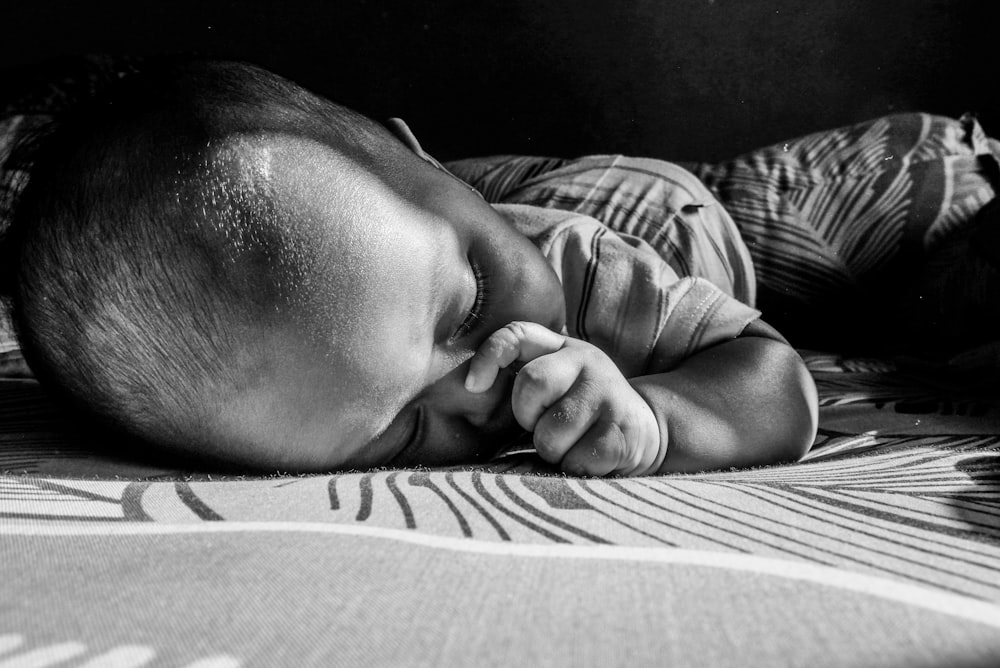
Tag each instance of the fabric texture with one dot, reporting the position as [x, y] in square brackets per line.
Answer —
[869, 222]
[826, 213]
[659, 202]
[872, 222]
[12, 180]
[622, 296]
[32, 100]
[882, 548]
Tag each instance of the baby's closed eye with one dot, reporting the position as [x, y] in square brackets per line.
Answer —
[480, 303]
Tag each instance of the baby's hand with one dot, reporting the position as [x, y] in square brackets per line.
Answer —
[585, 415]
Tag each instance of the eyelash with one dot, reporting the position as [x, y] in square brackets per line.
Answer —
[481, 303]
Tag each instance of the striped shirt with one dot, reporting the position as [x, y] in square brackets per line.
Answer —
[653, 268]
[658, 202]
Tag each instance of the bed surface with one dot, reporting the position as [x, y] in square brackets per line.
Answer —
[881, 548]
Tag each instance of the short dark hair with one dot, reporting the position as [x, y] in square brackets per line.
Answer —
[140, 269]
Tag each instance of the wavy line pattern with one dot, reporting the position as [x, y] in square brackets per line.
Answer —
[920, 512]
[18, 652]
[878, 494]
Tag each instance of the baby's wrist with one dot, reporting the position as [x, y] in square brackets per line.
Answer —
[655, 434]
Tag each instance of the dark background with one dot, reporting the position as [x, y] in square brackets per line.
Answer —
[681, 79]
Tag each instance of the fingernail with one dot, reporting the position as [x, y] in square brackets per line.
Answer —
[470, 382]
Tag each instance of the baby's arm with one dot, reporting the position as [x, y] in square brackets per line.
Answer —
[744, 402]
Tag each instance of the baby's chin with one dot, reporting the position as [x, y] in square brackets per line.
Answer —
[502, 431]
[483, 454]
[479, 450]
[490, 445]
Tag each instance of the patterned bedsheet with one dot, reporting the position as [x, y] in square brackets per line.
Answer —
[881, 548]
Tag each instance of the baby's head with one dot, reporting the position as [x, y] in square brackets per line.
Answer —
[232, 268]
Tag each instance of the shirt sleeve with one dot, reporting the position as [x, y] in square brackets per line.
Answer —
[624, 298]
[696, 315]
[659, 202]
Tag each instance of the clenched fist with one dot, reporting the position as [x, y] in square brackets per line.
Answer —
[585, 415]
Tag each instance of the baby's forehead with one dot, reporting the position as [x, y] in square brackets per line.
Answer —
[282, 163]
[322, 215]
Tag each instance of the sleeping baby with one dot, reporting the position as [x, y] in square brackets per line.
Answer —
[234, 270]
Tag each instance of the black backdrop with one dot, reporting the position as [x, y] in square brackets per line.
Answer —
[681, 79]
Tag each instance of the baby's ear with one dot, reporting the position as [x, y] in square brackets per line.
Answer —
[402, 131]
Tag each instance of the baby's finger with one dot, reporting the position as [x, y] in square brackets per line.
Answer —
[562, 425]
[599, 452]
[516, 341]
[539, 384]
